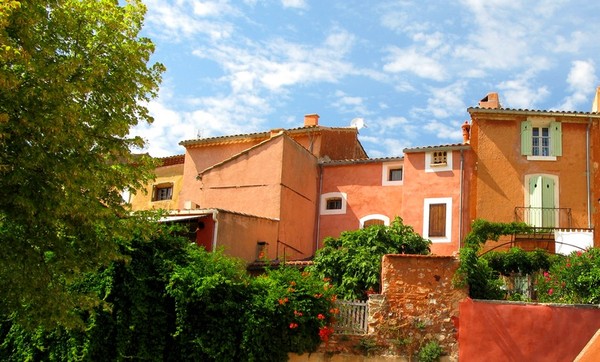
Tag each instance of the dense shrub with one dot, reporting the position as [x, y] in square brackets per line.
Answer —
[353, 261]
[169, 300]
[572, 279]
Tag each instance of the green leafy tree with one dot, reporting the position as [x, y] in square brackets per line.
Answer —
[74, 78]
[353, 261]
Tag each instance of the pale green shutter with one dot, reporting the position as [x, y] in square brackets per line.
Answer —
[548, 212]
[526, 143]
[535, 201]
[555, 139]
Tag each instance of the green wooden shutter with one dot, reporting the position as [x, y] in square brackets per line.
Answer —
[548, 212]
[535, 201]
[526, 135]
[555, 139]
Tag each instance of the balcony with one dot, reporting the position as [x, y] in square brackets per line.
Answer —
[552, 229]
[545, 218]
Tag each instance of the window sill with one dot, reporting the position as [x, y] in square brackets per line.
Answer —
[439, 239]
[441, 164]
[393, 183]
[541, 158]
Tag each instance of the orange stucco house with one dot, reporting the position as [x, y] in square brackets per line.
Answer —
[538, 167]
[255, 195]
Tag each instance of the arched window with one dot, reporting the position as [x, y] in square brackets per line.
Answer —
[374, 219]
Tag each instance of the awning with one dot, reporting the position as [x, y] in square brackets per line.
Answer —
[180, 218]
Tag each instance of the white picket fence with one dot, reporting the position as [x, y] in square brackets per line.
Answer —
[352, 318]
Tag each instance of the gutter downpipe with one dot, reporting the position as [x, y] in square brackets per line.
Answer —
[216, 229]
[318, 208]
[588, 180]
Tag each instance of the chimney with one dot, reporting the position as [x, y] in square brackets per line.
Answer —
[596, 102]
[466, 131]
[311, 120]
[490, 101]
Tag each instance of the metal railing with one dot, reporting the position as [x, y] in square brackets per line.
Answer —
[544, 217]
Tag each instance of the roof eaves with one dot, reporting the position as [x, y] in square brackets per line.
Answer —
[472, 110]
[448, 147]
[359, 161]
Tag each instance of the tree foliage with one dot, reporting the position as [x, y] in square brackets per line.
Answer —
[172, 301]
[74, 77]
[353, 261]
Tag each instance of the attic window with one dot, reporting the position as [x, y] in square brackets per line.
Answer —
[439, 158]
[334, 203]
[438, 161]
[161, 192]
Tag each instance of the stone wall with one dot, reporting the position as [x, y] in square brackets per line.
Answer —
[418, 304]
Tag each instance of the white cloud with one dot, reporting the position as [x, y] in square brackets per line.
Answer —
[186, 18]
[582, 81]
[297, 4]
[450, 132]
[279, 63]
[412, 61]
[445, 101]
[350, 104]
[519, 93]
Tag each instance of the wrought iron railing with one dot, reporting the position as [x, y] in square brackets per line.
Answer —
[544, 217]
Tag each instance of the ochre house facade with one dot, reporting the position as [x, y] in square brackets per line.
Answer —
[279, 194]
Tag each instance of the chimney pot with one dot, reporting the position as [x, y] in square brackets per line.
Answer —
[311, 120]
[466, 131]
[596, 103]
[490, 101]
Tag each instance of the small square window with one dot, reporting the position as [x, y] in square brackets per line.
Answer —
[162, 192]
[334, 203]
[395, 174]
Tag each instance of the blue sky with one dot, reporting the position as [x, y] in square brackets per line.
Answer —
[410, 69]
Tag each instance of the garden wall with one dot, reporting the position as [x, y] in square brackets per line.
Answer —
[512, 331]
[421, 303]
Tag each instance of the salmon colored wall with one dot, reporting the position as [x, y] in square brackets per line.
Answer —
[239, 235]
[499, 181]
[420, 185]
[299, 179]
[500, 331]
[143, 199]
[205, 231]
[201, 157]
[366, 196]
[249, 183]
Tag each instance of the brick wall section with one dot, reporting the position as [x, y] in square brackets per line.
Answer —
[421, 303]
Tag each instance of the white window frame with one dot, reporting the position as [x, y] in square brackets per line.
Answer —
[430, 167]
[385, 173]
[439, 200]
[385, 219]
[333, 195]
[544, 122]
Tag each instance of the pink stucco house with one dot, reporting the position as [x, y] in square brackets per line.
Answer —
[426, 188]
